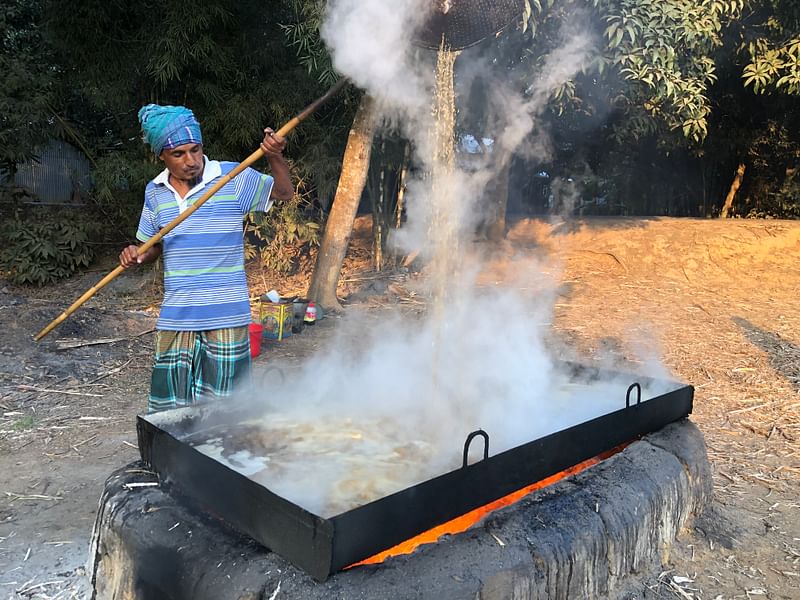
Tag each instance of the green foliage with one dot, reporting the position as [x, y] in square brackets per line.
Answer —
[783, 203]
[655, 59]
[225, 59]
[772, 45]
[773, 189]
[319, 165]
[44, 247]
[302, 33]
[228, 60]
[663, 112]
[27, 82]
[532, 14]
[117, 193]
[276, 237]
[665, 50]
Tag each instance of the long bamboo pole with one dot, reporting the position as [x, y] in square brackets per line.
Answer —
[283, 131]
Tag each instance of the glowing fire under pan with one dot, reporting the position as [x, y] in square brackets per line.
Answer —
[223, 462]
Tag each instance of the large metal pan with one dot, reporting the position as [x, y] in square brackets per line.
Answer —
[323, 545]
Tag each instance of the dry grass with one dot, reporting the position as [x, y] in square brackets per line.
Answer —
[716, 302]
[723, 313]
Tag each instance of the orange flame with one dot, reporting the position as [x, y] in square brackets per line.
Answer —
[465, 521]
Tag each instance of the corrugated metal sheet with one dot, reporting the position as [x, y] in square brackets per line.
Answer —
[60, 175]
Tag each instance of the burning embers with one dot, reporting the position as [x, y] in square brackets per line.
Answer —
[464, 522]
[328, 494]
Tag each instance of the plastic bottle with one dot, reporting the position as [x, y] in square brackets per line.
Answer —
[311, 314]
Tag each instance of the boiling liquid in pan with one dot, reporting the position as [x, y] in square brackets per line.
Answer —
[332, 465]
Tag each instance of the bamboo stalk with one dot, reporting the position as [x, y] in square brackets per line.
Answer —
[283, 131]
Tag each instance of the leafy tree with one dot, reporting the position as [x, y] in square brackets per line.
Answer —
[656, 62]
[304, 37]
[674, 78]
[225, 59]
[305, 40]
[28, 83]
[665, 50]
[656, 65]
[355, 167]
[753, 148]
[770, 36]
[228, 60]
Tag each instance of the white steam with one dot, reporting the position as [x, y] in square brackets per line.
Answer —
[367, 416]
[373, 416]
[370, 41]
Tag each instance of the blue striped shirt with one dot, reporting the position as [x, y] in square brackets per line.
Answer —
[204, 280]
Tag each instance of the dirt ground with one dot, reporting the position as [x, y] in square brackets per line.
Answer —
[718, 302]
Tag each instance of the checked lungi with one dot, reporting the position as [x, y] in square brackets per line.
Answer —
[191, 366]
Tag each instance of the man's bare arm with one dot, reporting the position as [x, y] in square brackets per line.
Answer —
[273, 146]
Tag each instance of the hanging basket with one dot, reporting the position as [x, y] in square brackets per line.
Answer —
[464, 23]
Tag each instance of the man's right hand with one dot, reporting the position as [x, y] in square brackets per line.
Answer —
[130, 257]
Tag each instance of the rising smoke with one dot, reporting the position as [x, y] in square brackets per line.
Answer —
[371, 43]
[391, 401]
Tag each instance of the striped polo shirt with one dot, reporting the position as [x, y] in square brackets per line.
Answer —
[204, 280]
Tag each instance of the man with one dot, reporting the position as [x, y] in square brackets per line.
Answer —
[202, 342]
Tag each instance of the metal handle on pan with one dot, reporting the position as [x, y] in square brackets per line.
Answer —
[472, 436]
[277, 370]
[638, 388]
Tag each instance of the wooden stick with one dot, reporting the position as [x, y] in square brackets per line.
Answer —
[30, 388]
[67, 345]
[283, 131]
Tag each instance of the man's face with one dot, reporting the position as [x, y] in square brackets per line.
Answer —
[184, 162]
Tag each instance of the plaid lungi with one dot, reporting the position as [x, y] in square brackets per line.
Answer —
[198, 365]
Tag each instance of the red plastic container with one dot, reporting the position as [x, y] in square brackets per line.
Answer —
[256, 333]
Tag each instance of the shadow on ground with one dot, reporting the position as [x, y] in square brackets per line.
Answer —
[784, 356]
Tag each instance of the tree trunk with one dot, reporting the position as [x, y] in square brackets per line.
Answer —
[401, 188]
[727, 208]
[339, 227]
[498, 197]
[378, 210]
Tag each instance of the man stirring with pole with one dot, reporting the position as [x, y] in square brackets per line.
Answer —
[202, 342]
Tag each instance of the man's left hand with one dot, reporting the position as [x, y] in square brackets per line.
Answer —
[273, 144]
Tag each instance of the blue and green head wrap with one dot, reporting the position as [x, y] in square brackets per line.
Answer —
[168, 127]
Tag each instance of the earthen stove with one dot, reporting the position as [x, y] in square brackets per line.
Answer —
[188, 485]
